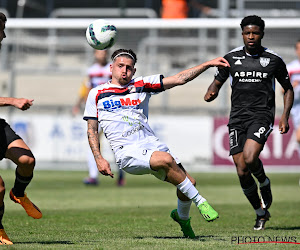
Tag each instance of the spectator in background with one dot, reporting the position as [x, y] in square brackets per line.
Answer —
[198, 8]
[294, 73]
[174, 8]
[97, 74]
[184, 9]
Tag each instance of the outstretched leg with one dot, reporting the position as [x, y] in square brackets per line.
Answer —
[184, 183]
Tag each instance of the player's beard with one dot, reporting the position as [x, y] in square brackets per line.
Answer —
[123, 81]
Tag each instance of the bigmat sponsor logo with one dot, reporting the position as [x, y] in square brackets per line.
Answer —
[111, 104]
[246, 239]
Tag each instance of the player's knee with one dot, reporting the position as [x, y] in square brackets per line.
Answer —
[27, 162]
[168, 160]
[249, 159]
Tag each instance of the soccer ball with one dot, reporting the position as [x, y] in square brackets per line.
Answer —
[101, 34]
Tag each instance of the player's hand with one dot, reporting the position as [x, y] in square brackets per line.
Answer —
[283, 126]
[210, 96]
[104, 168]
[219, 62]
[22, 103]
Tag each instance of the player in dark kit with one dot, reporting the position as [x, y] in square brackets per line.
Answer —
[14, 148]
[253, 70]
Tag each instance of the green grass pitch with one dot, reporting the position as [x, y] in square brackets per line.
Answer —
[137, 216]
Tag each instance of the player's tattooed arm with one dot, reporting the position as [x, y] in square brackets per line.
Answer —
[93, 137]
[190, 74]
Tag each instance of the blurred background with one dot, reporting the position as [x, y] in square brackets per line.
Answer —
[45, 57]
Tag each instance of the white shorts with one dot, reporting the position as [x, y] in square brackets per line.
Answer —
[135, 159]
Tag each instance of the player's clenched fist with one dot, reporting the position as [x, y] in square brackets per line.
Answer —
[22, 103]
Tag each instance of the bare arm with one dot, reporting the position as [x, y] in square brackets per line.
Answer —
[288, 100]
[213, 91]
[20, 103]
[189, 74]
[93, 137]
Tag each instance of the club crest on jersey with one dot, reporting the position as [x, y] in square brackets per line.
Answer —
[264, 61]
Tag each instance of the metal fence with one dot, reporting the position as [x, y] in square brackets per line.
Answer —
[46, 59]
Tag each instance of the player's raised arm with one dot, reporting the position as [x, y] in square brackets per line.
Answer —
[93, 137]
[20, 103]
[189, 74]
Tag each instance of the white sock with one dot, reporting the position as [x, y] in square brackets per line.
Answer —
[260, 212]
[265, 183]
[188, 189]
[183, 209]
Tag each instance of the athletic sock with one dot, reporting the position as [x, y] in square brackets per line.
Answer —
[188, 189]
[260, 172]
[183, 209]
[250, 191]
[1, 215]
[265, 183]
[21, 182]
[260, 212]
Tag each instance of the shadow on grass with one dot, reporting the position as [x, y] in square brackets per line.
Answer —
[46, 242]
[198, 238]
[284, 228]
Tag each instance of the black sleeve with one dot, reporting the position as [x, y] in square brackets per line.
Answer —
[282, 75]
[222, 74]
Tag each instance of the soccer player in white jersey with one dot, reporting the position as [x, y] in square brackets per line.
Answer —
[97, 74]
[121, 108]
[294, 73]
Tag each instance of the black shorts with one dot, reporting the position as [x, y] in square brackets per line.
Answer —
[7, 136]
[240, 132]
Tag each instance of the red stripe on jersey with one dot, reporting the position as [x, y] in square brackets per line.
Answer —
[139, 83]
[112, 90]
[147, 85]
[153, 86]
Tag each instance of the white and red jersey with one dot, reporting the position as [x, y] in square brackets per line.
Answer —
[294, 73]
[98, 75]
[122, 111]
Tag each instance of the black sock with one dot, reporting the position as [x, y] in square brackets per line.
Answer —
[260, 172]
[21, 182]
[250, 190]
[1, 215]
